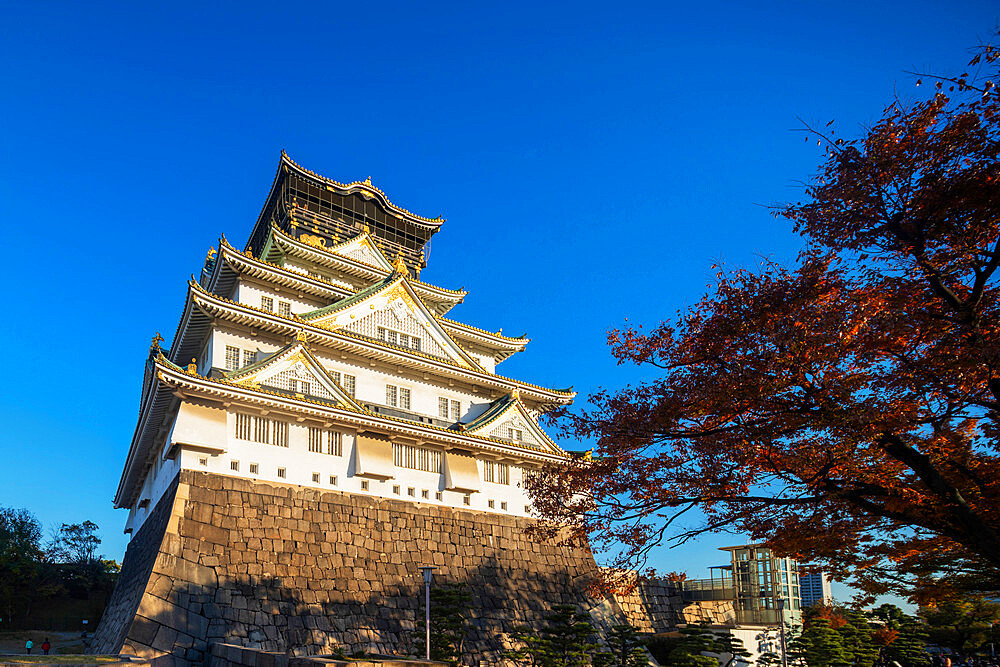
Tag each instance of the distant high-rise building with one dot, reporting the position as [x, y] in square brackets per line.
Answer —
[814, 586]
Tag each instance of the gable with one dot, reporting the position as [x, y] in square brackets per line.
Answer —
[394, 314]
[295, 370]
[360, 249]
[509, 420]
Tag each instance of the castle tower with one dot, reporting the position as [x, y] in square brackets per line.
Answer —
[317, 430]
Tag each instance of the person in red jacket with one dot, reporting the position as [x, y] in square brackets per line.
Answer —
[46, 646]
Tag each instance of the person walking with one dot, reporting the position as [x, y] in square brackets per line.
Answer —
[46, 646]
[28, 645]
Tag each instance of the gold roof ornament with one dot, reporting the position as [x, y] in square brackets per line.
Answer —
[515, 394]
[155, 344]
[301, 336]
[399, 266]
[211, 253]
[193, 366]
[368, 181]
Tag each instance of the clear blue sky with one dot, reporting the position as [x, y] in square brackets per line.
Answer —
[593, 161]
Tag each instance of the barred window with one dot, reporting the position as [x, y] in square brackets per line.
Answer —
[392, 337]
[503, 505]
[516, 434]
[234, 465]
[280, 434]
[267, 303]
[333, 440]
[416, 458]
[316, 477]
[381, 333]
[315, 439]
[391, 395]
[336, 376]
[404, 340]
[248, 357]
[232, 357]
[443, 408]
[261, 429]
[456, 410]
[335, 443]
[490, 503]
[364, 485]
[285, 310]
[404, 398]
[497, 473]
[333, 480]
[438, 495]
[425, 494]
[416, 343]
[281, 473]
[254, 467]
[299, 386]
[350, 382]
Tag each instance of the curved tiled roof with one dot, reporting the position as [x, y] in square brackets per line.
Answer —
[365, 187]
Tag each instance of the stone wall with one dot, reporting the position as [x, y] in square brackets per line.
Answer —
[656, 605]
[281, 567]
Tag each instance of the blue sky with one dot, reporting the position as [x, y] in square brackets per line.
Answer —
[593, 161]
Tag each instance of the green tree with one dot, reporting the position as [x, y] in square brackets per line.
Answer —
[687, 649]
[566, 640]
[20, 562]
[961, 625]
[625, 648]
[909, 646]
[449, 610]
[76, 543]
[820, 645]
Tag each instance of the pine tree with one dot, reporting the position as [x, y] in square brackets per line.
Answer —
[820, 645]
[449, 609]
[566, 640]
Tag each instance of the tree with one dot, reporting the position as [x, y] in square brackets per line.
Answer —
[693, 641]
[845, 410]
[904, 638]
[963, 626]
[449, 610]
[76, 543]
[566, 640]
[625, 647]
[820, 645]
[20, 562]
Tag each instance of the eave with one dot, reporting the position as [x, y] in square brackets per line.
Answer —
[194, 330]
[172, 384]
[442, 297]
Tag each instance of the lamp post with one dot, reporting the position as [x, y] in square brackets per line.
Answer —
[427, 570]
[780, 603]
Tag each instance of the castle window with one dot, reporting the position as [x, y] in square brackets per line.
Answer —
[456, 410]
[425, 494]
[395, 489]
[416, 458]
[261, 429]
[248, 357]
[285, 310]
[527, 509]
[467, 499]
[299, 386]
[267, 303]
[254, 468]
[391, 395]
[503, 505]
[316, 477]
[411, 492]
[443, 408]
[364, 485]
[490, 503]
[232, 357]
[497, 473]
[234, 465]
[404, 398]
[335, 443]
[281, 473]
[333, 480]
[415, 343]
[315, 439]
[439, 496]
[516, 434]
[404, 340]
[350, 382]
[203, 461]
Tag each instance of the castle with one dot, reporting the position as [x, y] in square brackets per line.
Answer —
[317, 430]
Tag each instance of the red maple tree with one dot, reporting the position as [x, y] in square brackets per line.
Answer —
[845, 410]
